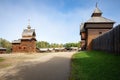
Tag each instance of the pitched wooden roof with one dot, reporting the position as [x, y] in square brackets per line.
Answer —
[1, 48]
[17, 41]
[97, 12]
[82, 29]
[99, 20]
[29, 38]
[96, 17]
[28, 32]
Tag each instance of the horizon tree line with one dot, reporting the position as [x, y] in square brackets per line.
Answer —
[39, 44]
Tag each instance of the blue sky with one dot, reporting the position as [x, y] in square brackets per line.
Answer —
[55, 21]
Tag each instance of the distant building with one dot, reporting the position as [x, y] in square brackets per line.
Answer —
[94, 27]
[42, 50]
[2, 50]
[27, 43]
[52, 49]
[59, 49]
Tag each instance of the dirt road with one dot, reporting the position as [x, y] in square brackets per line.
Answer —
[53, 66]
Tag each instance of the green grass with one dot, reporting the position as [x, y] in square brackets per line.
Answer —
[1, 59]
[95, 65]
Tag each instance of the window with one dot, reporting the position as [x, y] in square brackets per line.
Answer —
[19, 47]
[24, 47]
[100, 32]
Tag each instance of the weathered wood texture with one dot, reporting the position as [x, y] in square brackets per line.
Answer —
[2, 51]
[109, 42]
[92, 34]
[25, 46]
[83, 45]
[83, 36]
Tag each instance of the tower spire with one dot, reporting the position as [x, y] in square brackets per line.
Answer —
[97, 12]
[28, 21]
[29, 27]
[96, 4]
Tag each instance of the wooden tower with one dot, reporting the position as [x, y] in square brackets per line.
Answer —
[94, 27]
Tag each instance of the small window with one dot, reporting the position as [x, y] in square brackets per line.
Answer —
[100, 32]
[19, 47]
[24, 47]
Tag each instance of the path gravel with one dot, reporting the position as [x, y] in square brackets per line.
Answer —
[53, 66]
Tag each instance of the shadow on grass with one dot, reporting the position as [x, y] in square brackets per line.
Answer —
[95, 65]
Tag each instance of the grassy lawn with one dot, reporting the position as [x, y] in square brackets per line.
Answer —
[1, 59]
[95, 65]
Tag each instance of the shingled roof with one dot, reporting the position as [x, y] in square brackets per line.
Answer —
[1, 48]
[99, 20]
[82, 29]
[28, 32]
[97, 12]
[17, 41]
[96, 17]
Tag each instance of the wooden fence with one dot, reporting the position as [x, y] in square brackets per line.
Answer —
[109, 42]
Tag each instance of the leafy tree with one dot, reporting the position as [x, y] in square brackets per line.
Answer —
[42, 44]
[60, 45]
[55, 45]
[79, 44]
[5, 44]
[69, 45]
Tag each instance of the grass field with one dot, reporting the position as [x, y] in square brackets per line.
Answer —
[95, 65]
[1, 59]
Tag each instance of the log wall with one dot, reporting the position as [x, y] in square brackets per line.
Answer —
[109, 42]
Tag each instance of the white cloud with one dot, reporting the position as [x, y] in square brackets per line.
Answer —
[51, 24]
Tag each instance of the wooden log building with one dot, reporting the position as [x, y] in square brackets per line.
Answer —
[2, 50]
[27, 43]
[94, 27]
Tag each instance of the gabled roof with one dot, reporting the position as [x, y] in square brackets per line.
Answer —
[97, 10]
[96, 17]
[99, 20]
[17, 41]
[43, 49]
[82, 29]
[28, 32]
[28, 38]
[1, 48]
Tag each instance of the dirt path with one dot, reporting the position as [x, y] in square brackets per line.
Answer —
[54, 66]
